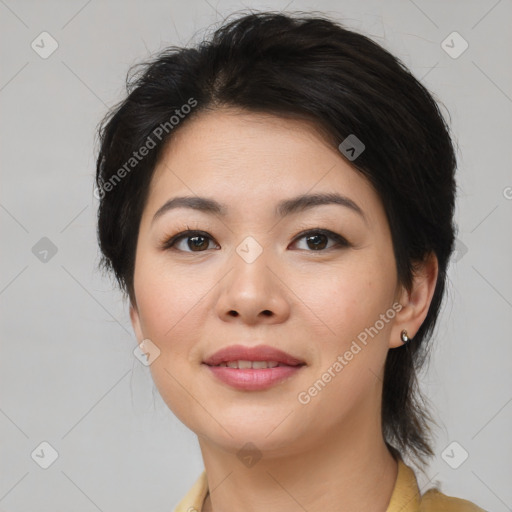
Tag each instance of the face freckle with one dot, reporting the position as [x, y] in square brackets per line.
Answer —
[308, 303]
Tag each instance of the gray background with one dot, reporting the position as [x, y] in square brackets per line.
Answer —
[68, 375]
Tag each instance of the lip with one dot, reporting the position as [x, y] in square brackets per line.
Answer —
[253, 379]
[258, 353]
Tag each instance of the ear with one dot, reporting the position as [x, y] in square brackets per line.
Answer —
[416, 302]
[135, 319]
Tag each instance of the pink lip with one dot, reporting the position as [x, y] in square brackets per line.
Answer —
[249, 379]
[253, 379]
[258, 353]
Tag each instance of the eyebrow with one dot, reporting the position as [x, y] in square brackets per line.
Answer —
[283, 209]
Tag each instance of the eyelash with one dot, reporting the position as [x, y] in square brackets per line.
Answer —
[340, 242]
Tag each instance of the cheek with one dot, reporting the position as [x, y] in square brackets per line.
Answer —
[352, 297]
[166, 299]
[353, 301]
[357, 308]
[169, 304]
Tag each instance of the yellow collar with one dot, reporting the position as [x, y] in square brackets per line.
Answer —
[405, 497]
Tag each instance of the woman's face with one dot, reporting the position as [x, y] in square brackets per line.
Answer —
[250, 279]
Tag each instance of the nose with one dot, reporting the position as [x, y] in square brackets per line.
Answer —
[253, 293]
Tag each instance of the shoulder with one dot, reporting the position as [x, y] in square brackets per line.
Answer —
[406, 496]
[435, 501]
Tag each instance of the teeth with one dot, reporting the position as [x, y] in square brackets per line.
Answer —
[251, 364]
[259, 364]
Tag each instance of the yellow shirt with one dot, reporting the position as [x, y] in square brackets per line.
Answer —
[406, 496]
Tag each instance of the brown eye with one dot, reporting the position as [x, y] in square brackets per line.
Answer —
[318, 239]
[198, 243]
[189, 241]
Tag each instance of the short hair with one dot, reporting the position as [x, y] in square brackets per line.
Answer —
[304, 67]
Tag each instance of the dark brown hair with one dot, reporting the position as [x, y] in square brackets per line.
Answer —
[308, 67]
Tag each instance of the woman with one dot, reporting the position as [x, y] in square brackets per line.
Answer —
[277, 203]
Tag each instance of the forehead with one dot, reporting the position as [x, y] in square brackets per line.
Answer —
[252, 160]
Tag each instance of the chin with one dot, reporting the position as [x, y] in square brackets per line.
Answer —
[263, 435]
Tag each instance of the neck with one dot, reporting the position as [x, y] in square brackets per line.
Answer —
[346, 470]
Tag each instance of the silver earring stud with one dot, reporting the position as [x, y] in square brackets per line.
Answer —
[404, 337]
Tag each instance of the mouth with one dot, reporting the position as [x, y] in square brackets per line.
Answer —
[255, 365]
[253, 368]
[258, 357]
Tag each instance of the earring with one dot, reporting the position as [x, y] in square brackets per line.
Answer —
[403, 336]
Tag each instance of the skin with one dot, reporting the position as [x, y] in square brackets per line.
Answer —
[328, 454]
